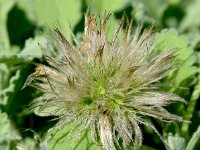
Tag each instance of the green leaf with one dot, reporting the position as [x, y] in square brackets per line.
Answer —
[192, 103]
[145, 147]
[100, 6]
[186, 70]
[149, 11]
[27, 144]
[169, 39]
[176, 142]
[4, 131]
[31, 144]
[8, 134]
[5, 6]
[53, 13]
[7, 84]
[192, 13]
[64, 137]
[32, 48]
[193, 140]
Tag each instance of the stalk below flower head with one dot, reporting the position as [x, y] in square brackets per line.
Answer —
[106, 88]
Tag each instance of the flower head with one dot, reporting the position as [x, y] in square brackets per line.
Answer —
[106, 87]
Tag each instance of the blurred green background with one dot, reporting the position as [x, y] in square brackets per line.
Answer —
[25, 23]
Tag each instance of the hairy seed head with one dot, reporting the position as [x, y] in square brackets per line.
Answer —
[106, 87]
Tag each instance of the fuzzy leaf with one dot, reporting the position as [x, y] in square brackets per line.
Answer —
[5, 6]
[6, 86]
[106, 5]
[4, 131]
[60, 140]
[193, 140]
[32, 47]
[149, 10]
[193, 102]
[192, 13]
[53, 13]
[8, 134]
[31, 144]
[186, 70]
[169, 39]
[176, 142]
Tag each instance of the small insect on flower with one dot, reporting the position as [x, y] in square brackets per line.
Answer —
[106, 88]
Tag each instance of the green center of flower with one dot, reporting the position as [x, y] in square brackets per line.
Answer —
[87, 100]
[102, 90]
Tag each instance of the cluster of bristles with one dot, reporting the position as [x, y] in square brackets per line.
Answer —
[106, 87]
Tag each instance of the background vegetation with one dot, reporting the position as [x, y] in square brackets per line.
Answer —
[25, 23]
